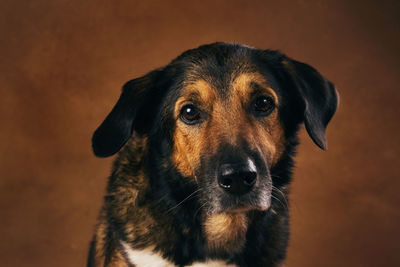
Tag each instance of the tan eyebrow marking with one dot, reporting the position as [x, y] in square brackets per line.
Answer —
[242, 85]
[199, 91]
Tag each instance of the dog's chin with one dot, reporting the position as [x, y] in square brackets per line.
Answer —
[235, 208]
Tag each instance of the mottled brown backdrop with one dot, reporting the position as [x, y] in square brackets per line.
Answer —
[63, 63]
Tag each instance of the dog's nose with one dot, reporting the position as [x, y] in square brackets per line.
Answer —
[237, 178]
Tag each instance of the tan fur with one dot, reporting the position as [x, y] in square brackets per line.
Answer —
[268, 136]
[187, 148]
[115, 258]
[225, 126]
[145, 220]
[118, 260]
[100, 237]
[226, 231]
[130, 189]
[131, 185]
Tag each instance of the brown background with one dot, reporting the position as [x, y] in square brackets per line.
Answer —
[63, 63]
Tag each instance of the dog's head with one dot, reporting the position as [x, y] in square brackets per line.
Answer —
[222, 116]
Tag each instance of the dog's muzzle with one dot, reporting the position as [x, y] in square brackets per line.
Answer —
[237, 178]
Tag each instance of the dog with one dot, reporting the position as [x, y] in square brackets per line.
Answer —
[205, 155]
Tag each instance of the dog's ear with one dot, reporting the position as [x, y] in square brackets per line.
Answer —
[318, 96]
[118, 126]
[320, 99]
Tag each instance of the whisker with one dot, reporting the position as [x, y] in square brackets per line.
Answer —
[194, 216]
[185, 199]
[283, 195]
[283, 206]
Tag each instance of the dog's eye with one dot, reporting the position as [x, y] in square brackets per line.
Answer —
[189, 114]
[263, 105]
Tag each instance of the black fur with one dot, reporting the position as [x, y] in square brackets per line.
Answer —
[145, 108]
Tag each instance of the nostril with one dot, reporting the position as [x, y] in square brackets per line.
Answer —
[237, 183]
[249, 179]
[226, 182]
[237, 178]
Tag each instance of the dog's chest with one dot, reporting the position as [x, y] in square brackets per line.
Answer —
[149, 258]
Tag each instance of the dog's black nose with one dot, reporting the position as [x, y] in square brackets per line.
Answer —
[237, 178]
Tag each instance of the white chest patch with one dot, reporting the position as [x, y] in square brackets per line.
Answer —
[148, 258]
[212, 263]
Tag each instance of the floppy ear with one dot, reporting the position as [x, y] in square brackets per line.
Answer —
[320, 99]
[117, 128]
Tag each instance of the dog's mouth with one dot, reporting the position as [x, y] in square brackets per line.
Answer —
[261, 205]
[225, 203]
[236, 188]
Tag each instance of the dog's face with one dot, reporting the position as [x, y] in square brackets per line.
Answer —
[222, 116]
[227, 135]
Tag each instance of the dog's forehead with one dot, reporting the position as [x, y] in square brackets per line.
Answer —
[218, 67]
[222, 70]
[241, 85]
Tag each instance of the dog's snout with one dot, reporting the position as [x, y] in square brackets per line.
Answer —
[237, 178]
